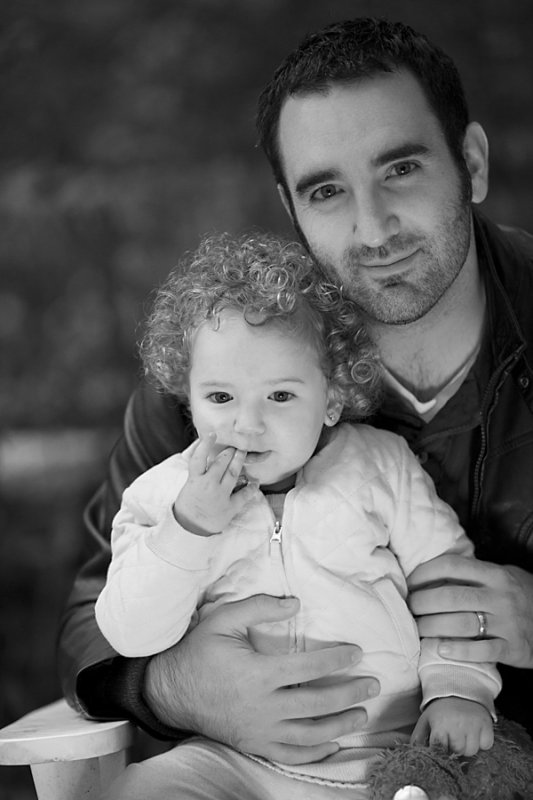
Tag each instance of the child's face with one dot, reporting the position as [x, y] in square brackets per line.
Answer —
[260, 391]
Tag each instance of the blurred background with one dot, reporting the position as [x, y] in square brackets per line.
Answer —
[127, 132]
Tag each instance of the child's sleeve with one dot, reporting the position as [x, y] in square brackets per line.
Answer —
[440, 677]
[158, 569]
[425, 527]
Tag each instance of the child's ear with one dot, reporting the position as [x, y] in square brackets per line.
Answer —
[333, 408]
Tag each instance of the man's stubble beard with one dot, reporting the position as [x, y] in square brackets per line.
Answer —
[399, 300]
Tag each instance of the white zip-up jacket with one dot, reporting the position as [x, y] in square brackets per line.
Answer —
[362, 515]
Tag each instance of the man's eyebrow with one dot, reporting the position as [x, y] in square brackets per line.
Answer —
[312, 179]
[307, 182]
[400, 152]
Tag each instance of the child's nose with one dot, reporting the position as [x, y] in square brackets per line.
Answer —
[249, 421]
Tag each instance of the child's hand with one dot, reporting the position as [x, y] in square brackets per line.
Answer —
[206, 504]
[463, 726]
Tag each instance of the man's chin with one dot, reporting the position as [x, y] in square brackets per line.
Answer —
[405, 309]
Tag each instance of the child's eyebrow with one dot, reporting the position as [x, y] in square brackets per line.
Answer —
[214, 384]
[210, 384]
[286, 380]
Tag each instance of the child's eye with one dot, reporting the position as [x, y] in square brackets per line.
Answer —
[281, 396]
[220, 397]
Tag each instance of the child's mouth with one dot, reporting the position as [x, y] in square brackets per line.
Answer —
[256, 457]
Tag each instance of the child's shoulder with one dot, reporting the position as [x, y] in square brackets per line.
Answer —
[358, 454]
[360, 437]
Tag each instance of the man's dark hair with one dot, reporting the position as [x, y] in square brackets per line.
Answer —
[348, 51]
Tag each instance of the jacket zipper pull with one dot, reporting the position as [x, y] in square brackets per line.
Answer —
[276, 533]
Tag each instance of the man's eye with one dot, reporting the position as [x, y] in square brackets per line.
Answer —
[325, 192]
[403, 168]
[219, 397]
[281, 396]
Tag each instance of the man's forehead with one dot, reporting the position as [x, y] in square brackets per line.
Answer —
[382, 86]
[368, 113]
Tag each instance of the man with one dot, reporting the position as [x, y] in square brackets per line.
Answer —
[367, 131]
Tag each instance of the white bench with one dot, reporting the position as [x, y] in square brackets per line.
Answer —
[70, 757]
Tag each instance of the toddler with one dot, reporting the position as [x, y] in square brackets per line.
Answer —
[285, 492]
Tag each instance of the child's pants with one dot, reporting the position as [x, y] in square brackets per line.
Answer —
[201, 769]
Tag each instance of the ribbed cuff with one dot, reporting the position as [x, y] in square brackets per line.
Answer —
[113, 689]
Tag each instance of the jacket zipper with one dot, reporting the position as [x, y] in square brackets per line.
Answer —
[276, 533]
[276, 548]
[491, 395]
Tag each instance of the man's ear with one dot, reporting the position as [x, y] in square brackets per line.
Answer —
[476, 155]
[287, 205]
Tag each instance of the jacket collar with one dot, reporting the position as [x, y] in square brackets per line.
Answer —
[509, 282]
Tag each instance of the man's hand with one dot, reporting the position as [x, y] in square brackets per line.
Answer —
[461, 726]
[213, 682]
[462, 587]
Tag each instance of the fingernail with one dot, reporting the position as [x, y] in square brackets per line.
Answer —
[373, 690]
[286, 602]
[444, 650]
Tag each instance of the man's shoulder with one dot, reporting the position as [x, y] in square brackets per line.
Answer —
[519, 238]
[157, 421]
[508, 254]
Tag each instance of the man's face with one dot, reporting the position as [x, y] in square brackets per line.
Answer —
[376, 194]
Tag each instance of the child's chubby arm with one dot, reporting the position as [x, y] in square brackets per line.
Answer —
[462, 726]
[208, 501]
[159, 567]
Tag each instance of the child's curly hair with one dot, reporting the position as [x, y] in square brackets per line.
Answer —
[271, 281]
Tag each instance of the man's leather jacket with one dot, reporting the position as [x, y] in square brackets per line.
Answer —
[501, 507]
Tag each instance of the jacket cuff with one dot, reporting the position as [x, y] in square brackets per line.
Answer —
[113, 689]
[458, 681]
[179, 547]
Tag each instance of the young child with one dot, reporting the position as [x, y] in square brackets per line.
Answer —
[281, 494]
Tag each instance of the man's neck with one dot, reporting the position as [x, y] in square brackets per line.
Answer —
[425, 355]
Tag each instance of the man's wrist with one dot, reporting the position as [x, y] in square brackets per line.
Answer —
[113, 689]
[157, 679]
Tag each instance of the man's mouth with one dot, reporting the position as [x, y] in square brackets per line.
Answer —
[384, 269]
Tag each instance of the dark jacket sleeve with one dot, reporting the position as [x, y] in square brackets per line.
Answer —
[94, 678]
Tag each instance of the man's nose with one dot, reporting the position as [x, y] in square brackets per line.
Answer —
[375, 220]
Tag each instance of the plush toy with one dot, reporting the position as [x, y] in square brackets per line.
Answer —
[505, 772]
